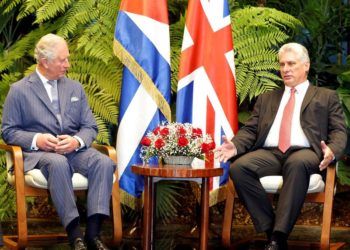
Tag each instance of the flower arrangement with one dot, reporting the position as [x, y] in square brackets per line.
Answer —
[176, 139]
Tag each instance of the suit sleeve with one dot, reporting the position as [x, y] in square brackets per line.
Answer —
[12, 125]
[337, 134]
[88, 127]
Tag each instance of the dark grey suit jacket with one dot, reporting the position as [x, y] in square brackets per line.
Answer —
[28, 110]
[321, 118]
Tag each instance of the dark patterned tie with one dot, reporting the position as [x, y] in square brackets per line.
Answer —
[55, 101]
[286, 123]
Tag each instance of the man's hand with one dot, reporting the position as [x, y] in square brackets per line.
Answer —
[66, 144]
[328, 156]
[226, 151]
[46, 142]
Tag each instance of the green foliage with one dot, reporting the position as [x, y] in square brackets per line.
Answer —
[343, 173]
[326, 26]
[168, 193]
[258, 33]
[7, 195]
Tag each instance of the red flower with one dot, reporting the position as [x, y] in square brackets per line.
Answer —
[156, 130]
[181, 130]
[159, 143]
[182, 141]
[196, 132]
[164, 131]
[212, 145]
[207, 147]
[146, 141]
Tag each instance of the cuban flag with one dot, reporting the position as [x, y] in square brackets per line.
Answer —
[206, 94]
[142, 43]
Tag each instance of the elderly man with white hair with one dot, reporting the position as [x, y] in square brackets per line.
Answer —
[295, 131]
[48, 116]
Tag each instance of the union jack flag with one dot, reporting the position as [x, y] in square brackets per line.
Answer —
[142, 43]
[206, 94]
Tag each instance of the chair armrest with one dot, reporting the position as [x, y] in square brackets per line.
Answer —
[330, 178]
[107, 150]
[16, 157]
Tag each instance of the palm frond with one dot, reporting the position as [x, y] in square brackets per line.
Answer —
[50, 9]
[103, 135]
[9, 5]
[258, 32]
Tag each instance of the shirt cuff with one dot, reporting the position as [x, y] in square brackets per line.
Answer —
[34, 146]
[82, 144]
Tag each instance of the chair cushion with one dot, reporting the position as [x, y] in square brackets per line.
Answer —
[35, 178]
[272, 184]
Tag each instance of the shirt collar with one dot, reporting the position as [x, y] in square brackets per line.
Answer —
[300, 88]
[42, 78]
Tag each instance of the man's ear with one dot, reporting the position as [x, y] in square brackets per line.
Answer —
[307, 67]
[44, 63]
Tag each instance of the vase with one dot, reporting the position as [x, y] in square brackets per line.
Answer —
[178, 160]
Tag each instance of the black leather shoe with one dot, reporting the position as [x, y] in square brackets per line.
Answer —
[96, 244]
[78, 244]
[274, 245]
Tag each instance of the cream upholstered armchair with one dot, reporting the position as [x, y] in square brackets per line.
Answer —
[33, 183]
[319, 192]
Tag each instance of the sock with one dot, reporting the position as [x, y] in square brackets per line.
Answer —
[93, 226]
[280, 237]
[73, 230]
[268, 234]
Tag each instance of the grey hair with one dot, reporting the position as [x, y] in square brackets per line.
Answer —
[297, 48]
[46, 47]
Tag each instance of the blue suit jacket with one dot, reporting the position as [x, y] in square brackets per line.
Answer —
[28, 110]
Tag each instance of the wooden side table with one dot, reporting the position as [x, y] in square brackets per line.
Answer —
[174, 171]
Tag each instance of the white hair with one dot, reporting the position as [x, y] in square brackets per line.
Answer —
[46, 47]
[297, 48]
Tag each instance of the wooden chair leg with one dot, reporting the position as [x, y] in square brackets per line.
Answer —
[116, 213]
[228, 214]
[327, 208]
[22, 227]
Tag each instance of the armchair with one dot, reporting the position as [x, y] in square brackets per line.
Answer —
[33, 183]
[319, 192]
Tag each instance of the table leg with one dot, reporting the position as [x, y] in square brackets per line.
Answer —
[148, 214]
[204, 214]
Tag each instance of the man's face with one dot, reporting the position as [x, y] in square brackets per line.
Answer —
[58, 66]
[293, 70]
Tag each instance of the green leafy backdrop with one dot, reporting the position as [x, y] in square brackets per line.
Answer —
[88, 26]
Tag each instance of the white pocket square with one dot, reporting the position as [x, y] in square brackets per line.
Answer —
[74, 99]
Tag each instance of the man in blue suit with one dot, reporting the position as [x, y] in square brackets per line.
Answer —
[48, 116]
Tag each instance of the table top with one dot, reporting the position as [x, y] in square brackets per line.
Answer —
[177, 171]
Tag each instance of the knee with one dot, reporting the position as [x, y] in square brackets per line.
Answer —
[104, 164]
[236, 170]
[58, 166]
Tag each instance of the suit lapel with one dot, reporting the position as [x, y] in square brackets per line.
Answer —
[40, 91]
[63, 94]
[310, 93]
[275, 103]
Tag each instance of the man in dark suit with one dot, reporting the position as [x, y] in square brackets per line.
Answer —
[48, 115]
[294, 132]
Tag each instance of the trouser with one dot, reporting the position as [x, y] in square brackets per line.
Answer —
[296, 166]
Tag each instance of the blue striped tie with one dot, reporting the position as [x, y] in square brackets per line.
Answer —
[55, 101]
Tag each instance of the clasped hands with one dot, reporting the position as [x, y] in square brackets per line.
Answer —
[62, 144]
[228, 150]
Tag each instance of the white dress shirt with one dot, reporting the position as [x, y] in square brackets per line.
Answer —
[298, 137]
